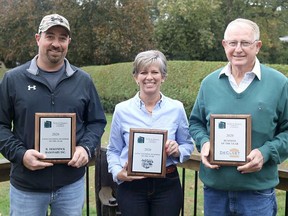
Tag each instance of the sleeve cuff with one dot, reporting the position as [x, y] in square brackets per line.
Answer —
[88, 152]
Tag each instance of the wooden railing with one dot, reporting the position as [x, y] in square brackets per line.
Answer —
[5, 171]
[192, 164]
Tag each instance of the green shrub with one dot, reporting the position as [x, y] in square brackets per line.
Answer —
[2, 69]
[115, 82]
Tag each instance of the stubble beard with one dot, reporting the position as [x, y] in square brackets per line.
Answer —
[54, 59]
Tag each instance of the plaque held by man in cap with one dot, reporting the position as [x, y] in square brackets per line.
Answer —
[146, 154]
[55, 136]
[230, 139]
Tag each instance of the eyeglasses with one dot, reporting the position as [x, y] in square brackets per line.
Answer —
[234, 44]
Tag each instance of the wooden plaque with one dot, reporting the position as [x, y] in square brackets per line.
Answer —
[55, 136]
[230, 139]
[146, 154]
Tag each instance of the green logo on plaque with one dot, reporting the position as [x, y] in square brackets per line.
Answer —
[47, 124]
[141, 139]
[222, 125]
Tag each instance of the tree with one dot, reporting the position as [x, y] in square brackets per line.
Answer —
[19, 24]
[109, 31]
[103, 31]
[188, 29]
[271, 16]
[19, 29]
[193, 30]
[123, 29]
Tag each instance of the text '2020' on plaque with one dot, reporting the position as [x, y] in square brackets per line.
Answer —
[230, 139]
[55, 136]
[146, 155]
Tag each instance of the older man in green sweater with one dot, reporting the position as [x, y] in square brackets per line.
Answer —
[243, 86]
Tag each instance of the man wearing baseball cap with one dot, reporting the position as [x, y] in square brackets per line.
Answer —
[53, 20]
[49, 84]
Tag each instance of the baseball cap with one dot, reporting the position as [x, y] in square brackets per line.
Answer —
[53, 20]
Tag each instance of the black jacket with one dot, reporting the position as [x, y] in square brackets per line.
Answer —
[23, 93]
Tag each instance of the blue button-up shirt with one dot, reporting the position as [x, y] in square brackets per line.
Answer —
[168, 114]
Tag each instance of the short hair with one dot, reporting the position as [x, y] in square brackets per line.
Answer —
[251, 24]
[146, 58]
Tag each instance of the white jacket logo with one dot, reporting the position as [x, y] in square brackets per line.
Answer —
[31, 87]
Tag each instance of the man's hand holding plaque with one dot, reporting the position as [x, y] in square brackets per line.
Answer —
[230, 139]
[55, 136]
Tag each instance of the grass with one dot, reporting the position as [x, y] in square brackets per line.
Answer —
[4, 198]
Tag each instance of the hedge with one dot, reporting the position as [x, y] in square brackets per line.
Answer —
[115, 82]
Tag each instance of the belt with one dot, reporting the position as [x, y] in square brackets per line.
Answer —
[171, 169]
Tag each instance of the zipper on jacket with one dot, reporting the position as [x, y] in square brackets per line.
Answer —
[52, 179]
[52, 99]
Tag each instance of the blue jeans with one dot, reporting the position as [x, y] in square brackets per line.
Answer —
[151, 196]
[68, 200]
[244, 203]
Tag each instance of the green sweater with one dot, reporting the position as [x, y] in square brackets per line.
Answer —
[267, 102]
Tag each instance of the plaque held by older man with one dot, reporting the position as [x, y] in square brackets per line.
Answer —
[146, 154]
[55, 136]
[230, 139]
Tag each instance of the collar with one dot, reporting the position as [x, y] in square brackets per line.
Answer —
[256, 70]
[33, 68]
[141, 104]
